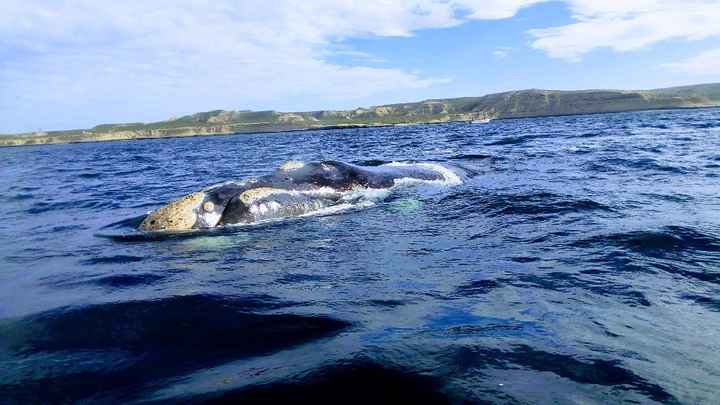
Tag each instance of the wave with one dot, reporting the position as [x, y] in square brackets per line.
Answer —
[712, 304]
[538, 203]
[114, 281]
[567, 282]
[479, 287]
[545, 203]
[598, 372]
[43, 207]
[665, 241]
[674, 250]
[706, 125]
[20, 197]
[509, 141]
[127, 346]
[614, 164]
[118, 259]
[475, 156]
[367, 382]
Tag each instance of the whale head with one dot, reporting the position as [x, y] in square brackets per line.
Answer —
[196, 210]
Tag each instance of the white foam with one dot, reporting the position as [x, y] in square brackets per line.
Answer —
[292, 165]
[338, 208]
[450, 177]
[361, 193]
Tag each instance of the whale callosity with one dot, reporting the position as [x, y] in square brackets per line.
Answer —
[178, 215]
[250, 196]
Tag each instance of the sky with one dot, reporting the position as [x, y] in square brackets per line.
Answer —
[77, 63]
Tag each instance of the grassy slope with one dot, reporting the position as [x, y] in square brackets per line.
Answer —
[513, 104]
[710, 91]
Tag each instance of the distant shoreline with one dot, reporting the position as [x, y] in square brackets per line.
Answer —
[326, 128]
[509, 105]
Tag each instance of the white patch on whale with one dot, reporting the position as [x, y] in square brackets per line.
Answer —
[210, 219]
[265, 208]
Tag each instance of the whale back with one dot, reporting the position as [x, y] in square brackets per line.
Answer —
[345, 176]
[269, 203]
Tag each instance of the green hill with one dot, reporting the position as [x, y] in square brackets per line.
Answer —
[512, 104]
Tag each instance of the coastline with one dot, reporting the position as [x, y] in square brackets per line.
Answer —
[45, 140]
[532, 103]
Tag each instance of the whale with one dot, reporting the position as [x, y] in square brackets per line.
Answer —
[294, 189]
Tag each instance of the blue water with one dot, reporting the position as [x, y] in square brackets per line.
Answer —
[578, 262]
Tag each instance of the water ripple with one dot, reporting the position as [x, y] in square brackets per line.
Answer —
[578, 261]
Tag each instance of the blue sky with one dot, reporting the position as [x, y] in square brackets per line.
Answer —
[77, 63]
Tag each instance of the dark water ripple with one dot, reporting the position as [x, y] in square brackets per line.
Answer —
[579, 262]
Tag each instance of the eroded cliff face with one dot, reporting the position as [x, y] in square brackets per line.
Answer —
[513, 104]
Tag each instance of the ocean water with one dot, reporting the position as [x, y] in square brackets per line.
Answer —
[578, 261]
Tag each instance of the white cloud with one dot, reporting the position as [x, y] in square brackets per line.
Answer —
[85, 61]
[706, 63]
[502, 52]
[624, 25]
[150, 59]
[494, 9]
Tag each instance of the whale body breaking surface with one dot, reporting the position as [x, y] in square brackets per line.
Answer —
[294, 189]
